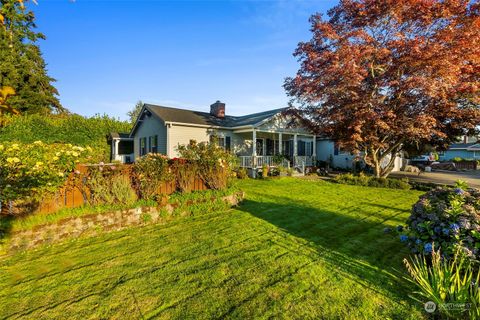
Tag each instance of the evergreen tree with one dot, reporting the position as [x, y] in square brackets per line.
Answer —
[133, 114]
[21, 63]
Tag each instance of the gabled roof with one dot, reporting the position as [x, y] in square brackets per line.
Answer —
[118, 135]
[169, 114]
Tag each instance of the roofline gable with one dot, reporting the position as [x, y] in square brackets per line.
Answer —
[142, 112]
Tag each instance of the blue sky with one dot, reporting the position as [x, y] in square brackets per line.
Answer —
[106, 55]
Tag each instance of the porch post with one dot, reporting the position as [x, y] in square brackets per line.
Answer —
[314, 149]
[254, 148]
[117, 143]
[295, 149]
[295, 145]
[280, 149]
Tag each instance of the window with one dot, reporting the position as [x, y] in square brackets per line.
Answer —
[153, 144]
[221, 142]
[338, 151]
[143, 146]
[228, 143]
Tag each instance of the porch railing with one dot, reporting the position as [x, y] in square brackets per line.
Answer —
[124, 158]
[259, 161]
[307, 161]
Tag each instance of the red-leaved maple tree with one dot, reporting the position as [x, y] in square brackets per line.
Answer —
[380, 76]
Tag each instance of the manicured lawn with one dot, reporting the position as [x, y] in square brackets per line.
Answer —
[294, 249]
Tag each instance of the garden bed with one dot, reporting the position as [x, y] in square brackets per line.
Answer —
[25, 235]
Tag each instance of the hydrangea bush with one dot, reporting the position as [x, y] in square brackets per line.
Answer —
[29, 171]
[445, 219]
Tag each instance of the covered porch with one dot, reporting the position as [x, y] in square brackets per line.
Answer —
[282, 148]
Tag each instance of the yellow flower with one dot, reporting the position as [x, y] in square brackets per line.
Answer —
[39, 163]
[13, 160]
[60, 174]
[1, 147]
[74, 153]
[89, 149]
[55, 158]
[38, 142]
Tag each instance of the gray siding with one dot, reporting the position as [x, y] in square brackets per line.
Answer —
[181, 135]
[151, 126]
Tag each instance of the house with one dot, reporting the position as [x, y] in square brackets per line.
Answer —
[465, 150]
[257, 139]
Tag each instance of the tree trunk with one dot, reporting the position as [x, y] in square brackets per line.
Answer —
[376, 161]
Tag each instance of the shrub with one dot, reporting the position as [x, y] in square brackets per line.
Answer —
[447, 281]
[30, 171]
[446, 218]
[215, 165]
[457, 159]
[108, 185]
[150, 173]
[371, 181]
[185, 172]
[265, 170]
[242, 173]
[65, 128]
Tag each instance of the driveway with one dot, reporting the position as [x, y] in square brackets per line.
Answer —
[442, 177]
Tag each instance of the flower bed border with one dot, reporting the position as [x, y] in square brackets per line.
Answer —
[93, 224]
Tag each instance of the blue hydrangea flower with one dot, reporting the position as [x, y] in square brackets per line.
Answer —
[437, 229]
[399, 228]
[418, 242]
[458, 191]
[455, 228]
[403, 238]
[446, 231]
[428, 248]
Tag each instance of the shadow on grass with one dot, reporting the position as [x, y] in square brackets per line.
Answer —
[357, 248]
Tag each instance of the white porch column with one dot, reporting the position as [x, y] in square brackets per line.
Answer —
[314, 147]
[254, 148]
[295, 145]
[280, 149]
[117, 143]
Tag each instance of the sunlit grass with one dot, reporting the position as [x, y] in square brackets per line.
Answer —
[293, 249]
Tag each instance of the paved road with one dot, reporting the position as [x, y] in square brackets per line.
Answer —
[442, 177]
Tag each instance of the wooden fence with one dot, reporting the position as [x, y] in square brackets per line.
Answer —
[73, 195]
[466, 165]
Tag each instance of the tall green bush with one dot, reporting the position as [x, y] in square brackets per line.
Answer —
[73, 129]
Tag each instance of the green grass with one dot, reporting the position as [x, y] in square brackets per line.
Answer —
[294, 249]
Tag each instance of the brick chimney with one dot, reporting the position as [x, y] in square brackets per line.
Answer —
[218, 109]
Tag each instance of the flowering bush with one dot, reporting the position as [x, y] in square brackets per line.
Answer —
[214, 163]
[445, 219]
[150, 172]
[29, 171]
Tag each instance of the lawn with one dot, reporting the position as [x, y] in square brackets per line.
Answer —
[293, 249]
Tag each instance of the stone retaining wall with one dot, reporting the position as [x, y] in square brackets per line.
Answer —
[93, 224]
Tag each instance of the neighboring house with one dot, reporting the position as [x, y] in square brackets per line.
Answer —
[469, 151]
[255, 138]
[331, 153]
